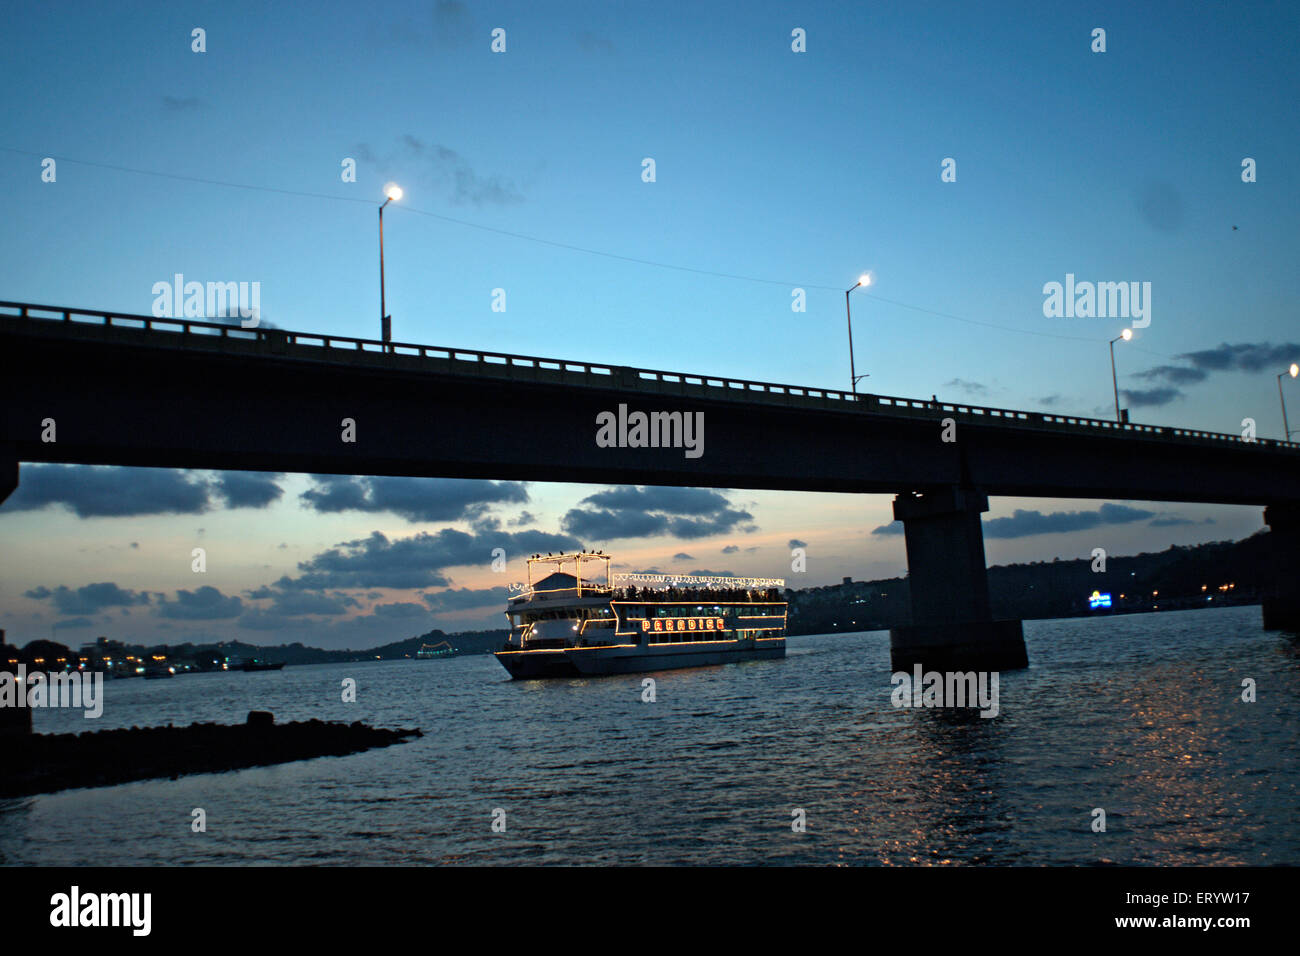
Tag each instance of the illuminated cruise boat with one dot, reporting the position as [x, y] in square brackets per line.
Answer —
[565, 624]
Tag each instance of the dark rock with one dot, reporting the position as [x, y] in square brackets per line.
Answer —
[44, 763]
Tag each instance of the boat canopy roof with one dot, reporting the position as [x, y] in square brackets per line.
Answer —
[562, 581]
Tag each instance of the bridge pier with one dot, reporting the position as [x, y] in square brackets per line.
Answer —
[14, 721]
[1282, 603]
[952, 625]
[8, 474]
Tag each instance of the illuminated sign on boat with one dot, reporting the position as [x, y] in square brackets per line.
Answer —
[682, 624]
[1097, 599]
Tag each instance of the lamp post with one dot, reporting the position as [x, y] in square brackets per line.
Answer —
[385, 320]
[1293, 371]
[1125, 335]
[863, 280]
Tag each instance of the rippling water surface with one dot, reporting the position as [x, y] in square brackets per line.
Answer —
[1140, 715]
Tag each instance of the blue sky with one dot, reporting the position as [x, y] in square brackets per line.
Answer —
[775, 170]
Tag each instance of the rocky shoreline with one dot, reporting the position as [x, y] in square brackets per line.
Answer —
[45, 763]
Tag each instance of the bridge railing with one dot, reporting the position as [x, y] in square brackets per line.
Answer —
[472, 361]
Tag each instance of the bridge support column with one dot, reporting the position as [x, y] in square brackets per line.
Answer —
[1282, 601]
[8, 474]
[952, 626]
[14, 721]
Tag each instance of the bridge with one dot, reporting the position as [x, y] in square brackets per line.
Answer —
[162, 392]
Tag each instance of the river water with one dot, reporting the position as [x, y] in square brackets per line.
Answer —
[1138, 715]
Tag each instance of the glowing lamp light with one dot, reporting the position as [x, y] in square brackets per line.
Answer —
[1294, 370]
[864, 279]
[393, 191]
[1126, 334]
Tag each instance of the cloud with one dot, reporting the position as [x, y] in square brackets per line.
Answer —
[256, 619]
[683, 556]
[970, 388]
[450, 171]
[796, 543]
[1168, 521]
[72, 622]
[634, 512]
[232, 318]
[202, 604]
[1249, 357]
[296, 603]
[1023, 524]
[414, 562]
[731, 549]
[608, 525]
[248, 489]
[178, 104]
[452, 25]
[1050, 400]
[1146, 398]
[415, 499]
[401, 610]
[1243, 357]
[89, 599]
[386, 623]
[682, 501]
[594, 42]
[110, 491]
[706, 571]
[1173, 374]
[464, 598]
[1160, 206]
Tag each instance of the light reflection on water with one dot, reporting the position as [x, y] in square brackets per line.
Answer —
[1140, 715]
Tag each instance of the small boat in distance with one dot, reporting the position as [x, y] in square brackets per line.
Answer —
[567, 626]
[259, 665]
[430, 651]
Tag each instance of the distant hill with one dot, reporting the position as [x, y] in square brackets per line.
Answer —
[1208, 575]
[211, 656]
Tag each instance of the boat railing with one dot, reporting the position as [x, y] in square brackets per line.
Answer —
[702, 595]
[562, 594]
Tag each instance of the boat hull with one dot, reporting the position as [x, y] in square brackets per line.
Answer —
[635, 658]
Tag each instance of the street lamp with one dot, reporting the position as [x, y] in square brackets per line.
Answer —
[392, 191]
[1125, 335]
[1293, 371]
[863, 281]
